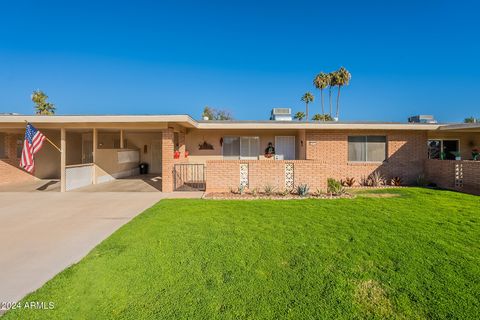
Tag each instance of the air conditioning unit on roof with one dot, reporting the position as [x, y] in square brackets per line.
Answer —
[281, 114]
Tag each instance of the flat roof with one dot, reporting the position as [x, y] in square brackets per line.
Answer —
[187, 121]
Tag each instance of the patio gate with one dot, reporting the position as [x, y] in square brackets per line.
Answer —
[189, 177]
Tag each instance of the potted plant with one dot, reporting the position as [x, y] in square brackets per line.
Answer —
[476, 154]
[457, 155]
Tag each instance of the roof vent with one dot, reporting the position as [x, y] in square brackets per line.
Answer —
[422, 118]
[281, 114]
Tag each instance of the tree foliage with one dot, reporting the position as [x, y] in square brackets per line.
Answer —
[471, 120]
[299, 116]
[214, 114]
[322, 117]
[321, 81]
[307, 98]
[42, 107]
[338, 79]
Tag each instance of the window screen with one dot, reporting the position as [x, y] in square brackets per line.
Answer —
[367, 148]
[249, 147]
[231, 148]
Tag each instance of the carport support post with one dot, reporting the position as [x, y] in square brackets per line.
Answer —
[94, 154]
[63, 147]
[121, 139]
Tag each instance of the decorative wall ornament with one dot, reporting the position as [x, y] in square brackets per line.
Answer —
[244, 174]
[289, 176]
[458, 175]
[205, 146]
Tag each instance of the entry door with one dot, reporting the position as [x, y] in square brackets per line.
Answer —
[156, 156]
[87, 150]
[285, 147]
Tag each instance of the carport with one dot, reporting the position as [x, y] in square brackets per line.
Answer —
[95, 150]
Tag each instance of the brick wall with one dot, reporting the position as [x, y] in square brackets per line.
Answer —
[168, 161]
[455, 175]
[10, 172]
[327, 157]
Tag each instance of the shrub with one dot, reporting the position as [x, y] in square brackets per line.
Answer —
[269, 190]
[334, 187]
[348, 182]
[396, 181]
[302, 190]
[241, 189]
[284, 192]
[421, 181]
[365, 181]
[376, 179]
[254, 192]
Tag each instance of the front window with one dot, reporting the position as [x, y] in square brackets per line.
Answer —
[245, 148]
[367, 148]
[443, 149]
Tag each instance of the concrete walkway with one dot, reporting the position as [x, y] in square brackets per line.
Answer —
[42, 233]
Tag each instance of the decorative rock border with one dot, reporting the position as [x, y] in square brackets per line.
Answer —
[249, 196]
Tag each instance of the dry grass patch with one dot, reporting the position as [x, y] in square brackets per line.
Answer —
[379, 195]
[372, 299]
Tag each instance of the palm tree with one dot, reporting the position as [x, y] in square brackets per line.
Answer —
[299, 116]
[322, 117]
[342, 78]
[307, 98]
[332, 82]
[321, 82]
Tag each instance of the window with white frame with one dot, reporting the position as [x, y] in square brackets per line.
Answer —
[367, 148]
[246, 148]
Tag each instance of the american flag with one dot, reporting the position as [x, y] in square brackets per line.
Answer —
[31, 145]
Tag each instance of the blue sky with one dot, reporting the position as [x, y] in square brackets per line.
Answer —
[175, 57]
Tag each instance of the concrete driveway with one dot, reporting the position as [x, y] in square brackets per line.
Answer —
[42, 233]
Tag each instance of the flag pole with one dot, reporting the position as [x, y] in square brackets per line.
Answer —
[50, 141]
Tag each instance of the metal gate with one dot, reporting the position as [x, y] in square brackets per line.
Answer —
[189, 177]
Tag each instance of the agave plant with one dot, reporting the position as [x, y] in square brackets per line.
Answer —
[365, 181]
[269, 190]
[376, 179]
[334, 187]
[241, 189]
[396, 181]
[348, 182]
[302, 190]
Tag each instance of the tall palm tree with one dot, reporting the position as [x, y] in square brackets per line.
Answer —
[321, 82]
[342, 79]
[307, 98]
[332, 82]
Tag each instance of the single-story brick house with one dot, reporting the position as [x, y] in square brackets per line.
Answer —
[219, 155]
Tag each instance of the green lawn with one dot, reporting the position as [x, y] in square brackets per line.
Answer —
[415, 254]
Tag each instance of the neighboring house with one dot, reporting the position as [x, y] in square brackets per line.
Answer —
[220, 155]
